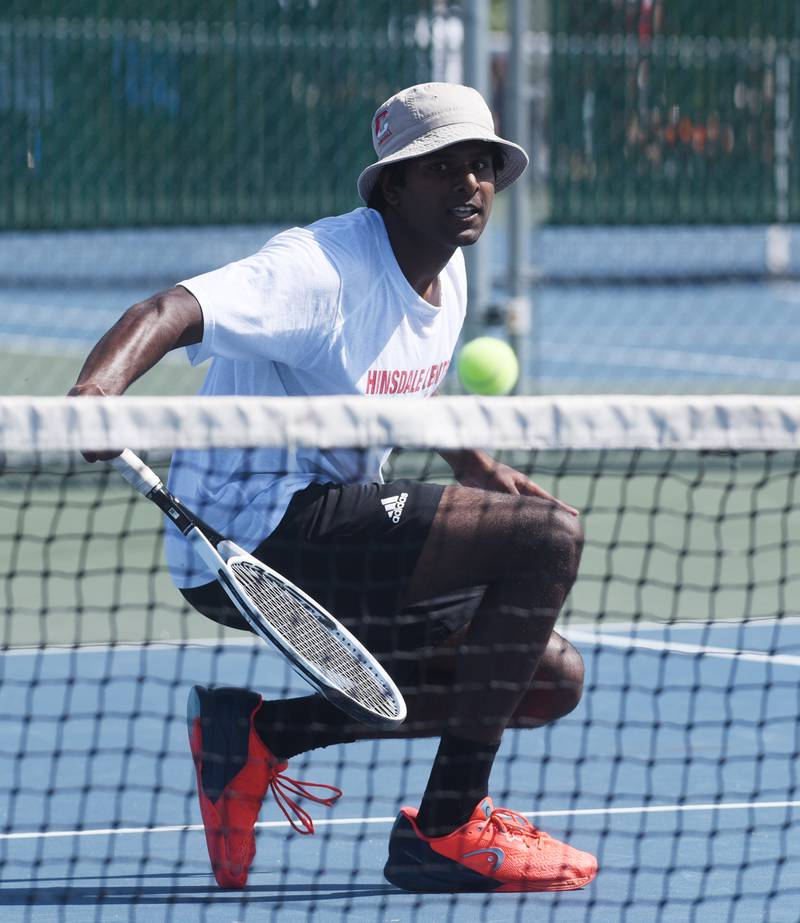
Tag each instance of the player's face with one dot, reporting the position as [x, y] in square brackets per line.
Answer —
[448, 195]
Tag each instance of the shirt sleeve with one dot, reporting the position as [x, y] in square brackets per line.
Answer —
[279, 304]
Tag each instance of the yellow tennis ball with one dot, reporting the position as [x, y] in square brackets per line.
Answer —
[487, 365]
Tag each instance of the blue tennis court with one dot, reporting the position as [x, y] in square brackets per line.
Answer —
[678, 769]
[641, 316]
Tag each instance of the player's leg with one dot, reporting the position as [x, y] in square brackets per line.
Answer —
[556, 688]
[425, 667]
[229, 727]
[234, 766]
[554, 692]
[318, 723]
[425, 671]
[526, 551]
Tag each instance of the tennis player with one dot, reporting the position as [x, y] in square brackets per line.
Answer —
[455, 588]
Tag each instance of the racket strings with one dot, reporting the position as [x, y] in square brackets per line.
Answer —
[299, 625]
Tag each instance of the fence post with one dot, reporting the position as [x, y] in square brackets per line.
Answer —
[519, 309]
[477, 75]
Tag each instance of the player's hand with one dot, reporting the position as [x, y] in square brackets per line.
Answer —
[477, 469]
[92, 390]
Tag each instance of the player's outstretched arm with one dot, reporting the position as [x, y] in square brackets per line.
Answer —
[143, 335]
[473, 468]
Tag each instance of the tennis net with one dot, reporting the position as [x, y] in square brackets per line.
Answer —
[678, 769]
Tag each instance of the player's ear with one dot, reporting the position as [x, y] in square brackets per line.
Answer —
[391, 180]
[389, 187]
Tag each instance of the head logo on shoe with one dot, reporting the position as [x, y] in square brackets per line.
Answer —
[492, 853]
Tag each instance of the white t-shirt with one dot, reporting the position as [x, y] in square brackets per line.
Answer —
[318, 310]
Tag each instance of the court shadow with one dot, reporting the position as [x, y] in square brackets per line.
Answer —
[66, 881]
[186, 894]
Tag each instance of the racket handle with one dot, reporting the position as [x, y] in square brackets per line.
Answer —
[136, 472]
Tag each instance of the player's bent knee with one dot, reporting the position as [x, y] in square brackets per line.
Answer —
[569, 687]
[555, 690]
[571, 538]
[558, 554]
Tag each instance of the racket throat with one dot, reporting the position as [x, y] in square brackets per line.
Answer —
[171, 509]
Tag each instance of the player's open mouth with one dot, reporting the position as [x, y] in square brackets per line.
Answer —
[465, 211]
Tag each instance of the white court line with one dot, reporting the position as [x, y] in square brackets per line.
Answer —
[684, 624]
[576, 632]
[608, 640]
[679, 360]
[131, 646]
[358, 821]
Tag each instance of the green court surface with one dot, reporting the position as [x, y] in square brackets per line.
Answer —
[53, 372]
[669, 536]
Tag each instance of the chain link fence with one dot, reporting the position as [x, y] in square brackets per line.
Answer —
[650, 247]
[125, 114]
[673, 112]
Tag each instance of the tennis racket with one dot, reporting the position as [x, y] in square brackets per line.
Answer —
[320, 649]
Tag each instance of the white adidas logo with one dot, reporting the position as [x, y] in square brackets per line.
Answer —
[394, 506]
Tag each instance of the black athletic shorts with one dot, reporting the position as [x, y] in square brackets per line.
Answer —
[353, 548]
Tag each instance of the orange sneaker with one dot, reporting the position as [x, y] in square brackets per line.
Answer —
[234, 770]
[496, 850]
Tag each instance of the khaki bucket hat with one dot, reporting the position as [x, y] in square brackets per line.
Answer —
[428, 117]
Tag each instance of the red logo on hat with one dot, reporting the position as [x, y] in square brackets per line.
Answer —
[382, 130]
